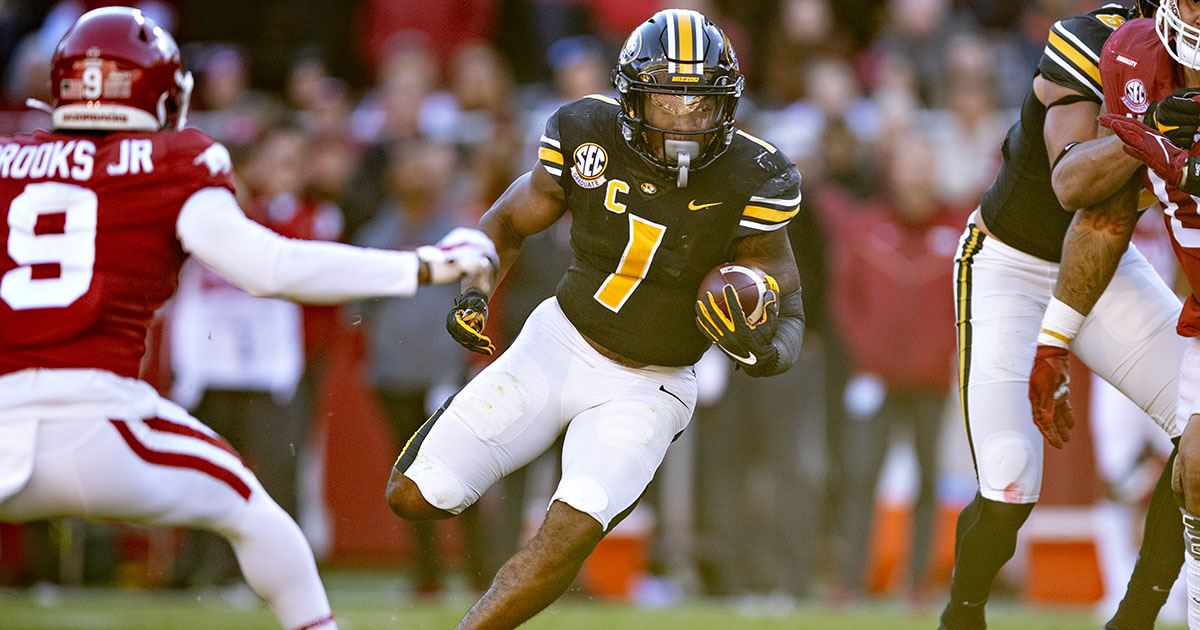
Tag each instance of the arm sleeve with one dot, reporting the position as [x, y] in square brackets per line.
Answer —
[213, 228]
[789, 336]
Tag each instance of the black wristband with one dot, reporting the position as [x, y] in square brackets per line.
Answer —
[788, 339]
[474, 292]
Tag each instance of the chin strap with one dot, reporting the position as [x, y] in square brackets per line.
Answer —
[684, 160]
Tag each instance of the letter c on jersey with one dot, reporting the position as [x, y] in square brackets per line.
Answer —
[615, 186]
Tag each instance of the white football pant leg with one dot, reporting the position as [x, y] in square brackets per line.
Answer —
[1001, 294]
[173, 471]
[1129, 339]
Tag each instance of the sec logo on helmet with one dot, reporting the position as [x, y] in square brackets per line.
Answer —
[590, 162]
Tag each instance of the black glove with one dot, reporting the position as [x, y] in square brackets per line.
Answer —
[1176, 116]
[466, 321]
[748, 345]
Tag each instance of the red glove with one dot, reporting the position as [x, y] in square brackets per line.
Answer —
[1048, 388]
[1154, 149]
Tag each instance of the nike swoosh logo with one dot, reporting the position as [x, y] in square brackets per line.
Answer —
[693, 206]
[1159, 140]
[668, 392]
[750, 359]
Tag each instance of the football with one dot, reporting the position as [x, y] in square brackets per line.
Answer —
[749, 283]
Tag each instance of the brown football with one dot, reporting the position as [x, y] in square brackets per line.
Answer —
[749, 283]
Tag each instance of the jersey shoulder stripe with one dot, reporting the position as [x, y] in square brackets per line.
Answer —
[759, 141]
[591, 116]
[777, 202]
[601, 97]
[550, 156]
[1072, 53]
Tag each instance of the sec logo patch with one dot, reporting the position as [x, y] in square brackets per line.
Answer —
[1134, 96]
[590, 162]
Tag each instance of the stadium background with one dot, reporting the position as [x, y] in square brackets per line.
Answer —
[830, 82]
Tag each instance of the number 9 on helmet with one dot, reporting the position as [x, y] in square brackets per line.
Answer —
[116, 69]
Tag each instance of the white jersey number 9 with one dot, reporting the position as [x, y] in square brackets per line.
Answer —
[73, 249]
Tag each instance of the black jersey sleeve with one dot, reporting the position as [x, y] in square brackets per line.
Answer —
[550, 148]
[1072, 54]
[773, 205]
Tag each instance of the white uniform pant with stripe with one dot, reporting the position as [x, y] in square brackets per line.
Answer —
[91, 444]
[1128, 340]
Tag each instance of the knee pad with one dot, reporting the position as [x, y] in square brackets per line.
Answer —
[1009, 468]
[440, 488]
[585, 495]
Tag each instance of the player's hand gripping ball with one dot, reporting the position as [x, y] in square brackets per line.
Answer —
[750, 285]
[736, 308]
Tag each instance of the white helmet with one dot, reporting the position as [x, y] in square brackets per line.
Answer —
[1181, 39]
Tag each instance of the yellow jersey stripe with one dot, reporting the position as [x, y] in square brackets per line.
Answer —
[1072, 54]
[766, 145]
[601, 97]
[550, 155]
[769, 214]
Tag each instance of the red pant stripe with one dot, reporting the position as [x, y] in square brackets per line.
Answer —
[180, 460]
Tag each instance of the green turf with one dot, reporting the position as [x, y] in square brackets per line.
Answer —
[371, 600]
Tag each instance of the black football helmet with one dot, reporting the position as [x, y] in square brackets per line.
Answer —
[1146, 8]
[679, 85]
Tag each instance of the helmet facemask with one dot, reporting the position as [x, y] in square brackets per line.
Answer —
[677, 101]
[1181, 39]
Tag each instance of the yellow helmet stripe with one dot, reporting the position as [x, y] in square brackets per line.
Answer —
[685, 41]
[687, 46]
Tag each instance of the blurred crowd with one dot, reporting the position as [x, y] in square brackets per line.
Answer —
[388, 122]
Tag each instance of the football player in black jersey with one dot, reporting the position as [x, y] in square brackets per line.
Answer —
[661, 187]
[1005, 281]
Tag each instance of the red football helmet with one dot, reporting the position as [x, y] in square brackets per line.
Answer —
[116, 69]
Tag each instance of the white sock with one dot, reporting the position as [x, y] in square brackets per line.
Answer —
[1191, 563]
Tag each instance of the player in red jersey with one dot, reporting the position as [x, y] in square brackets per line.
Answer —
[99, 214]
[1147, 62]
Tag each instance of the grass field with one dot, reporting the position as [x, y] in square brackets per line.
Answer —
[363, 600]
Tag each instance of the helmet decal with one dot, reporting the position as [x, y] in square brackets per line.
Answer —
[116, 69]
[633, 45]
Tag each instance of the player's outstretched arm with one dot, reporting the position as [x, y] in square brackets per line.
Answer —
[213, 228]
[532, 203]
[1092, 249]
[1086, 169]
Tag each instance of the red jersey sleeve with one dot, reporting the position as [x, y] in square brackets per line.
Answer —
[1135, 69]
